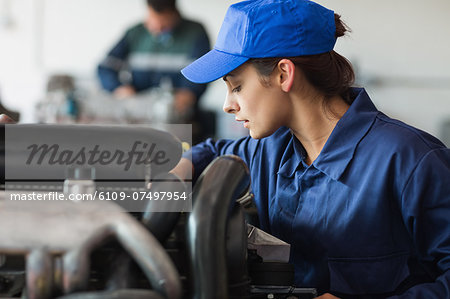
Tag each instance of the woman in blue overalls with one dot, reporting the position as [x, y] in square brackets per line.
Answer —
[363, 199]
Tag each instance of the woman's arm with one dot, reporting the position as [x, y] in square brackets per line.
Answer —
[199, 156]
[425, 207]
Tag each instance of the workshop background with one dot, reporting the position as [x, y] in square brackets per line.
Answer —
[400, 50]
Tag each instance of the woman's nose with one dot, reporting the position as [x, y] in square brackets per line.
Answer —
[230, 105]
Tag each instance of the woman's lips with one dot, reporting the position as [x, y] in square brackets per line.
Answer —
[245, 122]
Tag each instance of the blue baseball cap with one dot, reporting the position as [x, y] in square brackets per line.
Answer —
[265, 28]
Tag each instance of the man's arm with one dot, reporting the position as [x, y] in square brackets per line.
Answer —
[202, 154]
[114, 62]
[184, 99]
[200, 46]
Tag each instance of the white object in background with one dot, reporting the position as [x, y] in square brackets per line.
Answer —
[6, 19]
[80, 181]
[161, 108]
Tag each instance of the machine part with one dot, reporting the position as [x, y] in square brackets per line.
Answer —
[246, 199]
[2, 260]
[236, 257]
[214, 196]
[251, 211]
[272, 273]
[120, 273]
[12, 284]
[277, 292]
[73, 230]
[39, 274]
[161, 224]
[12, 276]
[79, 181]
[270, 248]
[116, 294]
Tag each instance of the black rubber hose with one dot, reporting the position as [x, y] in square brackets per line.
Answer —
[214, 196]
[162, 223]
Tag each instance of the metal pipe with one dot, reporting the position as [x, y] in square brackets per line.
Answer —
[39, 274]
[151, 257]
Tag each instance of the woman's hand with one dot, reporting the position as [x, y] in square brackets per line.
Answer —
[184, 169]
[5, 119]
[327, 296]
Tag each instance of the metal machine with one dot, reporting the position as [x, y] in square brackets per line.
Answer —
[73, 250]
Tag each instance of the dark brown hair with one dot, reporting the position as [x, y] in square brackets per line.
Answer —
[330, 73]
[162, 5]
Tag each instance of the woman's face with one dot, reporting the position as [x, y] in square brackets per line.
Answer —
[262, 108]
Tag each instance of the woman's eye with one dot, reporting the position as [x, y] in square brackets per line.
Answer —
[237, 89]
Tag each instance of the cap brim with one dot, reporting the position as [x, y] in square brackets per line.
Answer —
[212, 66]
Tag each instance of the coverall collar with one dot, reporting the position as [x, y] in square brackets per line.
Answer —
[342, 143]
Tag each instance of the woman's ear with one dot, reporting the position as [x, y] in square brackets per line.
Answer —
[286, 73]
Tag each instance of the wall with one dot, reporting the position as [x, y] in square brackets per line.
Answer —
[399, 49]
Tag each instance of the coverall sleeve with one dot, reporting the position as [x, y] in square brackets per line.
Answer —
[426, 213]
[108, 70]
[203, 153]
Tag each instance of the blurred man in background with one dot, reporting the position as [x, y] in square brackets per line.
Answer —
[153, 53]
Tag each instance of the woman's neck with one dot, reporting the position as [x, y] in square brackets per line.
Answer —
[313, 121]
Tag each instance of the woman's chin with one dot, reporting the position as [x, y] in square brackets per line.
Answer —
[259, 135]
